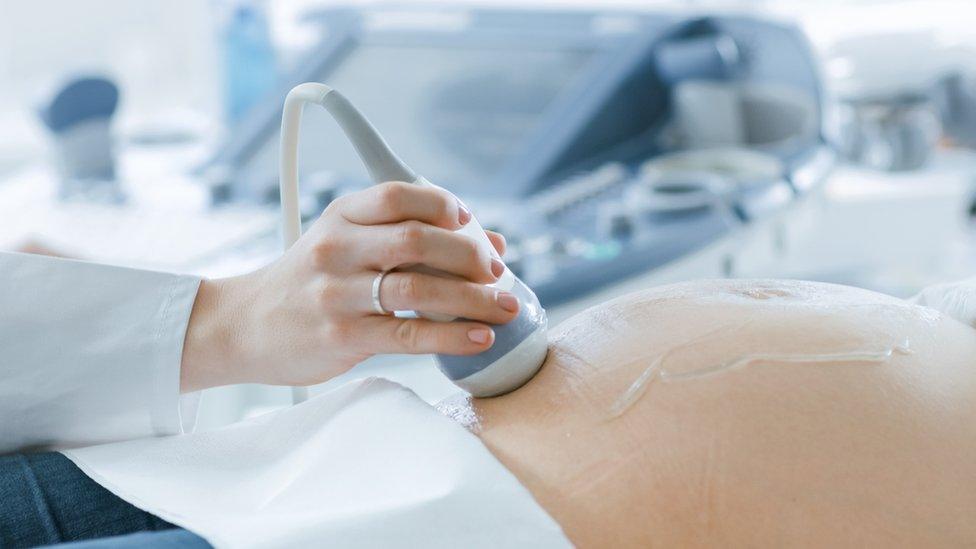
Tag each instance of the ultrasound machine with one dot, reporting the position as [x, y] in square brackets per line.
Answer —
[604, 145]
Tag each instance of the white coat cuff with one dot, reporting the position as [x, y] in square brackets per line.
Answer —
[171, 412]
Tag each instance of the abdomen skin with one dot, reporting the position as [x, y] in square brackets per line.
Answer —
[778, 413]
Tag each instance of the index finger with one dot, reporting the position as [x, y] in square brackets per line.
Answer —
[397, 201]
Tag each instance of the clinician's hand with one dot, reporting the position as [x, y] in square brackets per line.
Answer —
[308, 316]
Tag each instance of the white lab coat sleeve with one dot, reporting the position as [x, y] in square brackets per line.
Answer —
[90, 353]
[955, 299]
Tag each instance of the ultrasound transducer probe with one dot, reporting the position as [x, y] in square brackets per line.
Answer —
[520, 346]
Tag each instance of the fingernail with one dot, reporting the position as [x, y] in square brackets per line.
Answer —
[479, 335]
[497, 267]
[464, 214]
[508, 301]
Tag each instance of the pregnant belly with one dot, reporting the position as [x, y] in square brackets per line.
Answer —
[747, 412]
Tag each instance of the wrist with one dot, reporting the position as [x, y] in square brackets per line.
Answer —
[209, 343]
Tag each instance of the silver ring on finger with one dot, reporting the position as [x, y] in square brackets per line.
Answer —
[377, 305]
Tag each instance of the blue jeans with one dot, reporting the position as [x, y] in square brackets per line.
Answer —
[45, 499]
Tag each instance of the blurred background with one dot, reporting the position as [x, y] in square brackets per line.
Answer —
[618, 145]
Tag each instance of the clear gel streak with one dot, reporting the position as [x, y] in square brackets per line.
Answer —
[656, 370]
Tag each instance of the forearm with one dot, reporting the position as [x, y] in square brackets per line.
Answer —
[209, 347]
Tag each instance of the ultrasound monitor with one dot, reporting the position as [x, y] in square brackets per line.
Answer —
[465, 107]
[456, 115]
[499, 104]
